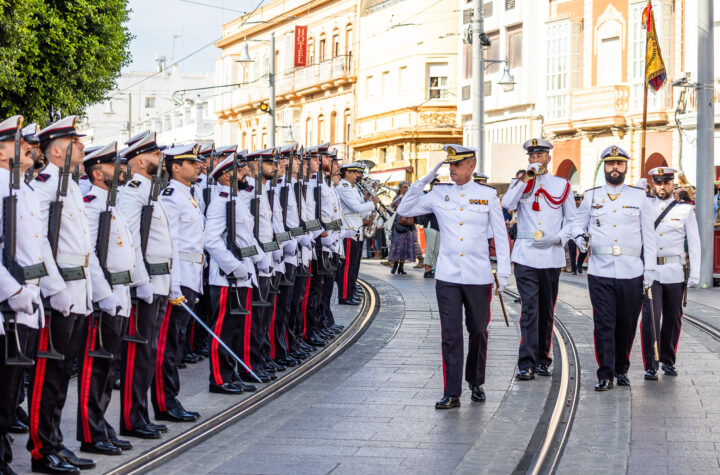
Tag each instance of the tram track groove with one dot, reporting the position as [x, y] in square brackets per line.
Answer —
[160, 454]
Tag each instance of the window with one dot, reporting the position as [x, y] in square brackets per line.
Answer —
[636, 54]
[310, 52]
[465, 93]
[253, 141]
[488, 88]
[347, 126]
[437, 80]
[308, 131]
[562, 65]
[493, 52]
[263, 140]
[514, 36]
[335, 44]
[487, 10]
[609, 51]
[368, 87]
[333, 124]
[321, 52]
[348, 40]
[467, 16]
[385, 83]
[266, 65]
[383, 155]
[321, 128]
[401, 152]
[150, 102]
[509, 4]
[402, 76]
[244, 140]
[467, 61]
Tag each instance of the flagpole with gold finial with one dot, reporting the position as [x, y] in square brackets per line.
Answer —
[655, 74]
[644, 119]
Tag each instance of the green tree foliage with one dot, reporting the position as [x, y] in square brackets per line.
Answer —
[64, 54]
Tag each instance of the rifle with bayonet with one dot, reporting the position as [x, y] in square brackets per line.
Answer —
[240, 253]
[257, 299]
[146, 215]
[207, 192]
[322, 258]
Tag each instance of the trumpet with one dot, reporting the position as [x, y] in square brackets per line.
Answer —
[532, 172]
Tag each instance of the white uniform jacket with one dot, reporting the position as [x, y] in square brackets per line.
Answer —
[621, 230]
[186, 229]
[74, 246]
[221, 258]
[670, 234]
[131, 199]
[121, 250]
[354, 207]
[464, 213]
[549, 220]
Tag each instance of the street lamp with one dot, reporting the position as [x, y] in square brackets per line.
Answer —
[245, 58]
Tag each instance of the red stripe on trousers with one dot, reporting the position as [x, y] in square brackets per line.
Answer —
[347, 268]
[248, 324]
[85, 381]
[271, 331]
[192, 336]
[162, 341]
[305, 301]
[129, 368]
[214, 355]
[34, 408]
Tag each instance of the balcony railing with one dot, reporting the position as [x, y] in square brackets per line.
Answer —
[604, 101]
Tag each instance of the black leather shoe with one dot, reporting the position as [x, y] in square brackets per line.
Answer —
[182, 365]
[192, 413]
[338, 329]
[622, 380]
[525, 374]
[300, 355]
[317, 342]
[543, 370]
[6, 469]
[102, 447]
[448, 402]
[70, 457]
[287, 362]
[162, 428]
[190, 359]
[145, 432]
[579, 270]
[478, 395]
[122, 444]
[18, 427]
[306, 347]
[264, 377]
[204, 352]
[604, 385]
[670, 369]
[175, 414]
[351, 301]
[651, 375]
[199, 356]
[327, 334]
[117, 384]
[245, 387]
[278, 367]
[269, 369]
[53, 464]
[226, 388]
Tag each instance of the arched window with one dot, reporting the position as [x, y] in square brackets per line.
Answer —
[335, 43]
[333, 124]
[322, 48]
[253, 141]
[243, 142]
[321, 128]
[308, 131]
[347, 126]
[310, 51]
[348, 39]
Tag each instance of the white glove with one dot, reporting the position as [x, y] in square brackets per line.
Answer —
[328, 241]
[648, 278]
[432, 175]
[145, 292]
[348, 233]
[582, 244]
[61, 302]
[175, 292]
[305, 241]
[277, 256]
[263, 266]
[502, 280]
[110, 305]
[546, 242]
[290, 248]
[642, 183]
[22, 301]
[242, 271]
[35, 291]
[534, 167]
[692, 282]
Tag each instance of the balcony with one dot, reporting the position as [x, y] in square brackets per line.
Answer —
[600, 107]
[289, 85]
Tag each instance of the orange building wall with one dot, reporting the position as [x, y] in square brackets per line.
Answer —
[572, 9]
[566, 150]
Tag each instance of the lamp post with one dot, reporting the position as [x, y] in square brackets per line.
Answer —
[245, 58]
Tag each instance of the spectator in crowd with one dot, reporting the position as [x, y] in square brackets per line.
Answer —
[402, 240]
[432, 238]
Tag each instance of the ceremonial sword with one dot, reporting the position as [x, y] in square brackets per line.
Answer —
[499, 294]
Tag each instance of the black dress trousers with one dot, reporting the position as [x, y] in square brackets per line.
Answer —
[314, 305]
[259, 324]
[233, 330]
[49, 383]
[475, 300]
[96, 377]
[616, 308]
[281, 322]
[170, 351]
[347, 270]
[538, 289]
[138, 367]
[667, 302]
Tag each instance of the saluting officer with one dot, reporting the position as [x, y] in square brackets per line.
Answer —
[70, 307]
[615, 222]
[674, 223]
[229, 296]
[111, 293]
[21, 291]
[355, 209]
[544, 223]
[464, 210]
[151, 281]
[186, 231]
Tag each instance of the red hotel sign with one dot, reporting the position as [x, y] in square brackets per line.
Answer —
[300, 46]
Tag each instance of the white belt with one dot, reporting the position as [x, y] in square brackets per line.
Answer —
[72, 260]
[614, 251]
[158, 260]
[530, 235]
[195, 257]
[670, 260]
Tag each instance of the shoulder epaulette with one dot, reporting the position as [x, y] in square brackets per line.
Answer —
[84, 177]
[134, 184]
[590, 189]
[441, 184]
[637, 188]
[223, 194]
[486, 186]
[684, 203]
[345, 185]
[249, 188]
[42, 177]
[89, 198]
[168, 191]
[199, 180]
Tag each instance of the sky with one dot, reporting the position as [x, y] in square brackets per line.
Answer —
[193, 23]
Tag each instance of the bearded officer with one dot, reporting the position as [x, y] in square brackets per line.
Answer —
[615, 222]
[544, 219]
[674, 223]
[186, 231]
[355, 209]
[111, 293]
[464, 210]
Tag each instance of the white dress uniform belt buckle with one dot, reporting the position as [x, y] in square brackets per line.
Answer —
[670, 260]
[536, 235]
[614, 251]
[158, 265]
[194, 257]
